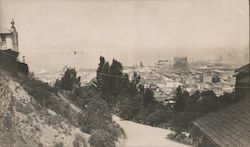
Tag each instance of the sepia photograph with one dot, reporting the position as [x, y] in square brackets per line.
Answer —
[124, 73]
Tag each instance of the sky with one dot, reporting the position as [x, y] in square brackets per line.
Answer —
[128, 30]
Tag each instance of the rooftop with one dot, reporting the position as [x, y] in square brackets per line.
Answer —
[244, 69]
[229, 126]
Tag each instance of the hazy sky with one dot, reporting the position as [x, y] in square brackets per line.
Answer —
[129, 30]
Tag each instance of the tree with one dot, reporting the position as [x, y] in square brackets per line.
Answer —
[99, 70]
[180, 100]
[208, 101]
[69, 81]
[116, 68]
[148, 98]
[105, 84]
[136, 78]
[116, 77]
[194, 97]
[129, 105]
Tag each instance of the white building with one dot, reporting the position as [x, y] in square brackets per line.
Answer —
[165, 64]
[9, 38]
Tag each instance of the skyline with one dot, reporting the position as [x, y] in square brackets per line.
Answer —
[130, 31]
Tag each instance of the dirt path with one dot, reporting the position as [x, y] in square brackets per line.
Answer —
[144, 135]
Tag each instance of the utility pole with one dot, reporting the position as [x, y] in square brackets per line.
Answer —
[23, 59]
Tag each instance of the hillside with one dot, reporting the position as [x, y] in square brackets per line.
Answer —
[25, 122]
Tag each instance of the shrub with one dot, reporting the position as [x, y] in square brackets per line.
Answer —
[101, 138]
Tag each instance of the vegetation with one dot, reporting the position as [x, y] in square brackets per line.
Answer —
[96, 118]
[131, 101]
[69, 81]
[101, 138]
[198, 104]
[117, 94]
[39, 90]
[128, 98]
[180, 100]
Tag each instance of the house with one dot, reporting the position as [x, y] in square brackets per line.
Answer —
[230, 126]
[9, 51]
[242, 82]
[9, 38]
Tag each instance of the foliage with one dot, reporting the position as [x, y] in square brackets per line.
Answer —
[136, 78]
[69, 81]
[207, 102]
[99, 70]
[180, 100]
[101, 138]
[97, 114]
[148, 98]
[194, 97]
[113, 83]
[39, 90]
[226, 99]
[129, 105]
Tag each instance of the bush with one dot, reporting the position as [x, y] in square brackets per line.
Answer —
[97, 114]
[101, 138]
[39, 90]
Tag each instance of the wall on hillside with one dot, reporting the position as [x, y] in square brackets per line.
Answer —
[9, 62]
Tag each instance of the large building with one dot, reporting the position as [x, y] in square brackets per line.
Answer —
[9, 38]
[165, 64]
[180, 62]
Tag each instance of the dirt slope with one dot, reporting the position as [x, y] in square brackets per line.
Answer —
[24, 122]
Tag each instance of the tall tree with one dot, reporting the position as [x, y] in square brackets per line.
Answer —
[208, 101]
[180, 100]
[148, 98]
[105, 83]
[99, 70]
[70, 80]
[116, 68]
[116, 76]
[136, 78]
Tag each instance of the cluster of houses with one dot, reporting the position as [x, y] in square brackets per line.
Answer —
[220, 79]
[227, 127]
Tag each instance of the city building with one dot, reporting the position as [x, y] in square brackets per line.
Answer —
[164, 64]
[180, 62]
[9, 38]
